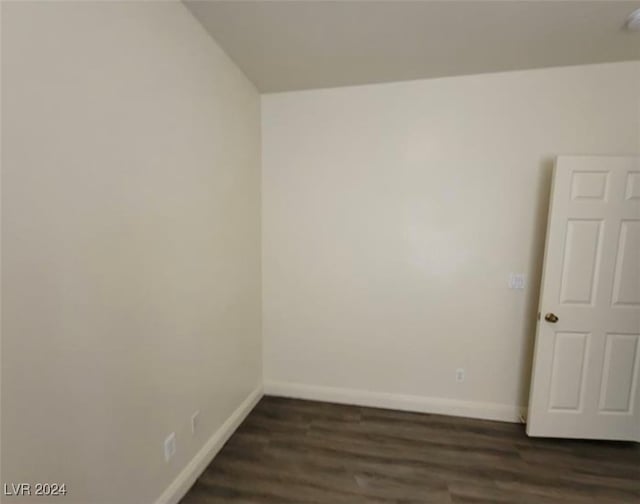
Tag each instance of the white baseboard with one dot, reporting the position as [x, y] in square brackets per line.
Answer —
[420, 404]
[187, 477]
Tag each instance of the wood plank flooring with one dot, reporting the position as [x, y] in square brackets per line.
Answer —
[291, 451]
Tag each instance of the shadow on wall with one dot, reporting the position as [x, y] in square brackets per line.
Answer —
[535, 267]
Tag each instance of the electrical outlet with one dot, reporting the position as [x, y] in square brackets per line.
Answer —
[169, 446]
[459, 375]
[194, 421]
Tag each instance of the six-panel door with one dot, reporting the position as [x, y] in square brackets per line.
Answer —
[586, 365]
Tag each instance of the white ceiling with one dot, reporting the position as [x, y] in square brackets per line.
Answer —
[287, 45]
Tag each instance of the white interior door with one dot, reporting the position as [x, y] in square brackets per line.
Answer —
[586, 364]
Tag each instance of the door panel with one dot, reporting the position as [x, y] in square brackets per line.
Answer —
[586, 364]
[589, 185]
[626, 287]
[567, 375]
[619, 376]
[633, 186]
[580, 265]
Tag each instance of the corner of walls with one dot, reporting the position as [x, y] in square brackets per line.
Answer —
[188, 476]
[192, 8]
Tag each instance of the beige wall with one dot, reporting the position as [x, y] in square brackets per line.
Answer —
[131, 238]
[393, 215]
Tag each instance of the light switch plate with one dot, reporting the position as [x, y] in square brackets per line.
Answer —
[195, 421]
[169, 446]
[516, 280]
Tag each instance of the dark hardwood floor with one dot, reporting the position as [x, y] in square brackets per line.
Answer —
[293, 451]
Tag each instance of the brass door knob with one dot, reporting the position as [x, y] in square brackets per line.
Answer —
[551, 317]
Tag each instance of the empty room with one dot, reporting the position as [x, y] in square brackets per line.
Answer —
[320, 252]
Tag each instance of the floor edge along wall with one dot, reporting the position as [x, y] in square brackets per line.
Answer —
[187, 477]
